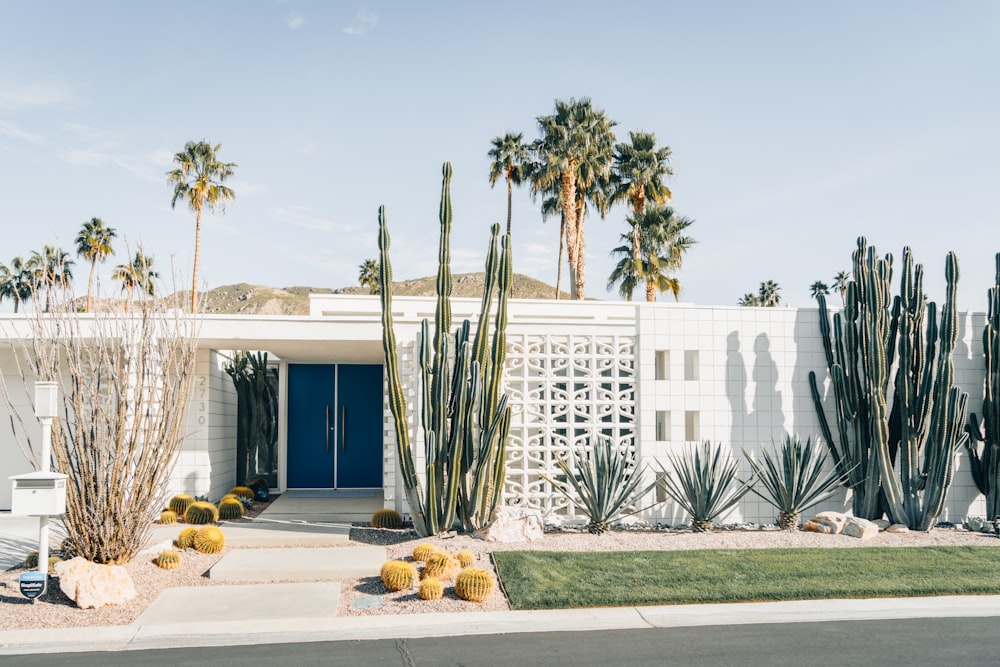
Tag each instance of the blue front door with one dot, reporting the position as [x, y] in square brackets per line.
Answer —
[334, 426]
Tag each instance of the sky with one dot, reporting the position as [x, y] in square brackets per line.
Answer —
[795, 127]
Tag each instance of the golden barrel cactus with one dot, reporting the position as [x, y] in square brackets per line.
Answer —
[167, 517]
[398, 575]
[386, 518]
[201, 512]
[242, 492]
[474, 584]
[230, 508]
[441, 565]
[186, 538]
[465, 558]
[431, 589]
[209, 540]
[168, 560]
[423, 551]
[179, 503]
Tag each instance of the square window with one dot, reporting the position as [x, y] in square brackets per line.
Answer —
[662, 364]
[692, 427]
[691, 365]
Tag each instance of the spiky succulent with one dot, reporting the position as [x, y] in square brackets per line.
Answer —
[168, 517]
[431, 588]
[179, 503]
[706, 486]
[209, 540]
[201, 512]
[186, 538]
[398, 575]
[168, 560]
[387, 518]
[231, 508]
[474, 584]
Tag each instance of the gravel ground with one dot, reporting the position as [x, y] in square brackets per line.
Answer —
[55, 610]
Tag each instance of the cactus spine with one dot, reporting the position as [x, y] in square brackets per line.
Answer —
[986, 459]
[209, 540]
[464, 416]
[167, 517]
[168, 560]
[874, 438]
[398, 575]
[431, 589]
[180, 503]
[474, 584]
[386, 518]
[230, 509]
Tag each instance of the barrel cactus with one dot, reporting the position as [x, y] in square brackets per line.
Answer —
[441, 565]
[230, 508]
[431, 588]
[423, 551]
[474, 584]
[386, 518]
[209, 540]
[465, 558]
[186, 538]
[168, 560]
[30, 561]
[242, 492]
[201, 512]
[168, 517]
[179, 503]
[229, 496]
[398, 575]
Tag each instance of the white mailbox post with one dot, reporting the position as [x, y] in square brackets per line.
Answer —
[42, 493]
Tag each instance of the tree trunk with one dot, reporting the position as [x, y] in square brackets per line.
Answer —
[197, 257]
[581, 260]
[562, 232]
[90, 281]
[567, 196]
[650, 291]
[510, 193]
[17, 302]
[638, 206]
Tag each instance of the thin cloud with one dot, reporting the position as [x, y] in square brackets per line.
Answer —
[33, 95]
[14, 132]
[295, 21]
[362, 23]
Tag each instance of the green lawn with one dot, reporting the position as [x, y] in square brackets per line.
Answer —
[558, 580]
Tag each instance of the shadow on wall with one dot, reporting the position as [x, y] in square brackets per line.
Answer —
[768, 412]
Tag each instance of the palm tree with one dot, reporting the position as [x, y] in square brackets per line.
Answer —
[49, 270]
[769, 294]
[512, 162]
[368, 272]
[576, 148]
[840, 284]
[817, 288]
[639, 173]
[139, 274]
[749, 299]
[198, 179]
[16, 282]
[662, 245]
[93, 243]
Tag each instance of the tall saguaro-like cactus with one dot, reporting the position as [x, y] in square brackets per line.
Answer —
[877, 345]
[463, 413]
[984, 436]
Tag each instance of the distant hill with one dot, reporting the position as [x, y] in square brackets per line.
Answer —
[246, 299]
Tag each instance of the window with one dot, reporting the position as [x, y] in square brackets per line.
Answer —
[662, 425]
[662, 364]
[692, 432]
[691, 365]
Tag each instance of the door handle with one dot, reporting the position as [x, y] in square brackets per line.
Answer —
[327, 429]
[343, 428]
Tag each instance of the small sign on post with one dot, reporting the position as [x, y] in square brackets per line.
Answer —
[32, 584]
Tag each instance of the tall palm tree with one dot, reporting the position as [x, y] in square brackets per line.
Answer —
[368, 272]
[749, 299]
[640, 171]
[137, 275]
[511, 160]
[93, 243]
[769, 294]
[840, 284]
[198, 180]
[576, 146]
[817, 288]
[49, 270]
[662, 245]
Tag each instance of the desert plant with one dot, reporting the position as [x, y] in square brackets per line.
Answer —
[605, 482]
[168, 560]
[185, 540]
[793, 479]
[706, 486]
[474, 584]
[431, 588]
[30, 561]
[386, 518]
[242, 492]
[209, 540]
[201, 512]
[423, 551]
[179, 503]
[441, 565]
[984, 437]
[230, 509]
[884, 349]
[465, 558]
[398, 575]
[463, 414]
[168, 517]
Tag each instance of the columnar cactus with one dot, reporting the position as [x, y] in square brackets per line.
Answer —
[984, 436]
[464, 415]
[874, 438]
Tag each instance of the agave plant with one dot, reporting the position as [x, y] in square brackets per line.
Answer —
[604, 481]
[706, 486]
[794, 482]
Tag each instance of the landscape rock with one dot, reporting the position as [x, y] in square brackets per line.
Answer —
[91, 585]
[826, 522]
[882, 523]
[513, 524]
[860, 528]
[898, 528]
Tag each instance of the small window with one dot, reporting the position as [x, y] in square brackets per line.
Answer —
[662, 425]
[692, 430]
[661, 493]
[691, 365]
[662, 364]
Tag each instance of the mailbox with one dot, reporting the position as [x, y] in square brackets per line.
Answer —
[38, 494]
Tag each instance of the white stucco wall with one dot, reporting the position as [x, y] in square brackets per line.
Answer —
[13, 460]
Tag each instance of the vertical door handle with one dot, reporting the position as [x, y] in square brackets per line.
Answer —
[343, 428]
[328, 429]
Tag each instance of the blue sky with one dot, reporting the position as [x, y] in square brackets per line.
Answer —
[795, 128]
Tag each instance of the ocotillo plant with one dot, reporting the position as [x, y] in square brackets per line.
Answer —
[986, 458]
[927, 410]
[464, 416]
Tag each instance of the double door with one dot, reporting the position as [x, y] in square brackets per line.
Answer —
[334, 426]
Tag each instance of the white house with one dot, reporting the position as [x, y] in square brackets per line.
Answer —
[661, 374]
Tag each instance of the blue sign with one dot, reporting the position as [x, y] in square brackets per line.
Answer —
[32, 584]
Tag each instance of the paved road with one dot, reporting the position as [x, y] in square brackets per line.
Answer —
[954, 641]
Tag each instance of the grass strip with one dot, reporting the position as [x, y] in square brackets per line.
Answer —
[561, 580]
